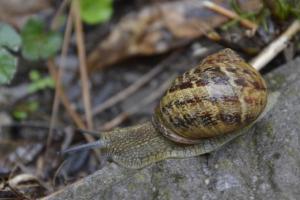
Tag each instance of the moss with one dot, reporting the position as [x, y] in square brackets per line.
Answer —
[131, 186]
[291, 152]
[177, 177]
[292, 92]
[140, 177]
[253, 143]
[241, 141]
[268, 128]
[225, 164]
[277, 80]
[163, 194]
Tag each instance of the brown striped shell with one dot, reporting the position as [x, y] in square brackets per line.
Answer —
[221, 95]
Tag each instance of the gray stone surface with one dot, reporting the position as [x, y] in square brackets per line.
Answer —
[262, 164]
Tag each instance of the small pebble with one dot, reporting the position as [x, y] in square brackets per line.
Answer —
[206, 181]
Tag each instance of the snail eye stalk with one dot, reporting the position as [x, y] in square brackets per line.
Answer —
[97, 144]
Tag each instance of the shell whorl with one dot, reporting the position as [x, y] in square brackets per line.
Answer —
[219, 96]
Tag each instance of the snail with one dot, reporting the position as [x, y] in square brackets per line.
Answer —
[204, 108]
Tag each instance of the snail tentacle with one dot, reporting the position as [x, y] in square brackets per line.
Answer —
[83, 147]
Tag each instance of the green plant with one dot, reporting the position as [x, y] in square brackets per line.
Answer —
[282, 9]
[9, 41]
[38, 43]
[242, 14]
[38, 82]
[95, 11]
[22, 111]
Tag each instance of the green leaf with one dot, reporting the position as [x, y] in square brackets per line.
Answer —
[33, 106]
[34, 75]
[9, 37]
[8, 66]
[23, 110]
[38, 82]
[96, 11]
[20, 115]
[37, 42]
[235, 6]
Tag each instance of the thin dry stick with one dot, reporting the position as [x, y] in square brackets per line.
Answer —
[207, 31]
[34, 175]
[134, 87]
[20, 195]
[58, 171]
[230, 14]
[62, 7]
[67, 104]
[65, 100]
[147, 100]
[82, 66]
[273, 49]
[56, 102]
[59, 89]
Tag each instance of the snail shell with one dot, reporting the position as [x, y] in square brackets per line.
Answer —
[219, 96]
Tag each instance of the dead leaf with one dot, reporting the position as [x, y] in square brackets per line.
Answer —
[16, 12]
[21, 179]
[157, 29]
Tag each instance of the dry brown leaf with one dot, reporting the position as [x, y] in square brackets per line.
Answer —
[156, 29]
[16, 12]
[19, 180]
[29, 185]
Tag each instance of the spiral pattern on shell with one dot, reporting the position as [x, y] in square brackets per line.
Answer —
[221, 95]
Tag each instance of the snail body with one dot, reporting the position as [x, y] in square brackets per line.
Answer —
[203, 109]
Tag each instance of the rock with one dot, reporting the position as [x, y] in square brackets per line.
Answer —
[5, 119]
[262, 164]
[10, 95]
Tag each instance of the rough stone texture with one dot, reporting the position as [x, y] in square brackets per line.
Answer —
[262, 164]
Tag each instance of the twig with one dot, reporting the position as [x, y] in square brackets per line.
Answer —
[59, 90]
[65, 100]
[58, 171]
[134, 87]
[83, 73]
[147, 100]
[62, 7]
[273, 49]
[230, 14]
[17, 193]
[56, 102]
[26, 171]
[82, 66]
[67, 104]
